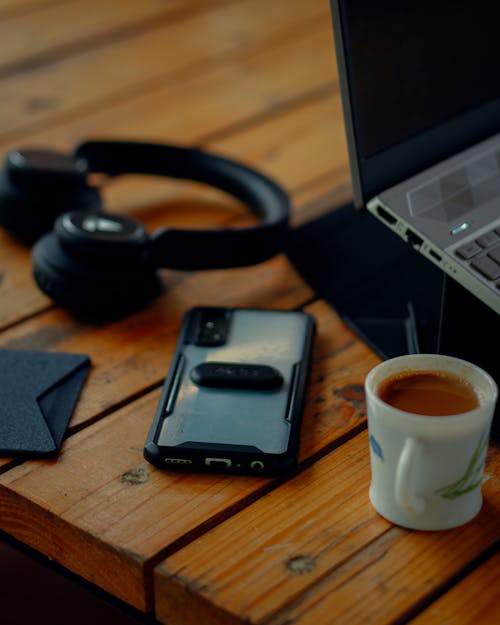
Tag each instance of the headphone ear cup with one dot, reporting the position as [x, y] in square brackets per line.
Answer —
[93, 289]
[27, 212]
[38, 185]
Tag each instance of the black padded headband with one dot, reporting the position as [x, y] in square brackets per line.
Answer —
[187, 249]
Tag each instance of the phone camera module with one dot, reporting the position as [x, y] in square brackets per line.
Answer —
[211, 327]
[211, 333]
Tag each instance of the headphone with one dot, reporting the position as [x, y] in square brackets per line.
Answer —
[99, 264]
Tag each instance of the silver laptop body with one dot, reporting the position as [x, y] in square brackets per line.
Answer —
[450, 213]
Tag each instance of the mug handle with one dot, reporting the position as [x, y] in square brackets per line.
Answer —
[404, 487]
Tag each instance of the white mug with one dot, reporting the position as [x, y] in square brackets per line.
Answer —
[427, 471]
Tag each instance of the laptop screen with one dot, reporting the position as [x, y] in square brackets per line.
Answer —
[420, 82]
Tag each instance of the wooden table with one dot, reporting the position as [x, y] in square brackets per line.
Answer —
[254, 80]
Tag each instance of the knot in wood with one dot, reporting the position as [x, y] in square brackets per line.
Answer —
[299, 565]
[353, 393]
[137, 475]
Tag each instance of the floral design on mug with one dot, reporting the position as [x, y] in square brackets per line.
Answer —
[472, 477]
[377, 449]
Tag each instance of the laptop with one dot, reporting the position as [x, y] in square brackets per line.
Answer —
[421, 98]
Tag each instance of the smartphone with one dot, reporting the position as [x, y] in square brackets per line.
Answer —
[232, 400]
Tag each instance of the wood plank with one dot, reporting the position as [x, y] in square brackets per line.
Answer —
[473, 601]
[284, 542]
[126, 68]
[15, 7]
[105, 499]
[315, 551]
[401, 570]
[19, 297]
[48, 30]
[271, 78]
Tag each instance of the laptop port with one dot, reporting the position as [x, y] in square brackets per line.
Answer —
[413, 238]
[435, 255]
[386, 216]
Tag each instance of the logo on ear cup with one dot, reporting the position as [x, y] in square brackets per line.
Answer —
[101, 224]
[102, 233]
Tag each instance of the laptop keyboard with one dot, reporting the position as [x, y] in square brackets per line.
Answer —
[483, 255]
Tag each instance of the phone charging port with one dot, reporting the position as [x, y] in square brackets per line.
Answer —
[218, 463]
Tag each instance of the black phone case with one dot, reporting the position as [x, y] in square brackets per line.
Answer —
[233, 397]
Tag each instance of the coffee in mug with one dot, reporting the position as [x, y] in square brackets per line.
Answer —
[433, 393]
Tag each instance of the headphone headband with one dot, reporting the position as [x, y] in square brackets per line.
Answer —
[187, 249]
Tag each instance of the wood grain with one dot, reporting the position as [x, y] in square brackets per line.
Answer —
[314, 551]
[271, 77]
[50, 30]
[16, 7]
[474, 600]
[400, 571]
[108, 73]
